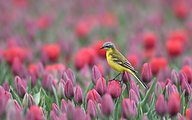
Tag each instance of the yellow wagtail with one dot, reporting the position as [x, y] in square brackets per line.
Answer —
[119, 63]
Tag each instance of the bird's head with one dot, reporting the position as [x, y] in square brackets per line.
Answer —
[107, 45]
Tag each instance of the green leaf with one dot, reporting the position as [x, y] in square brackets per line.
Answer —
[15, 96]
[97, 108]
[149, 92]
[55, 94]
[46, 100]
[164, 91]
[182, 101]
[107, 80]
[187, 105]
[29, 86]
[37, 97]
[116, 111]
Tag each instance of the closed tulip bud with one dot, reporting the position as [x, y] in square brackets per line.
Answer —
[79, 114]
[68, 90]
[169, 90]
[175, 89]
[60, 90]
[53, 115]
[63, 116]
[28, 100]
[146, 74]
[55, 108]
[87, 117]
[174, 76]
[19, 86]
[33, 77]
[17, 106]
[134, 108]
[47, 81]
[180, 117]
[42, 110]
[114, 88]
[107, 105]
[185, 86]
[188, 71]
[100, 86]
[187, 61]
[167, 81]
[127, 109]
[161, 107]
[6, 86]
[40, 70]
[145, 117]
[63, 106]
[133, 86]
[174, 104]
[36, 112]
[64, 76]
[133, 96]
[166, 71]
[126, 77]
[79, 97]
[157, 89]
[85, 72]
[3, 103]
[95, 74]
[91, 109]
[70, 111]
[94, 96]
[71, 76]
[182, 76]
[2, 90]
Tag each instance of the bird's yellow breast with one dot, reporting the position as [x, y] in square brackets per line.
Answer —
[113, 64]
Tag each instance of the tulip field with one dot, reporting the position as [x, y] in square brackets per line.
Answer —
[52, 68]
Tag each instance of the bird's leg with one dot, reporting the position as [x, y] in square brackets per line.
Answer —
[122, 76]
[116, 76]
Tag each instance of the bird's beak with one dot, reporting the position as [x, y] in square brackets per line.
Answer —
[101, 48]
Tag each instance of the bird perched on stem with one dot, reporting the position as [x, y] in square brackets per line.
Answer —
[119, 63]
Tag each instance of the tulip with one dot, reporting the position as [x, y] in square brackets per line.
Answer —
[168, 81]
[64, 76]
[91, 109]
[63, 106]
[146, 74]
[19, 86]
[60, 91]
[36, 112]
[71, 76]
[134, 60]
[87, 117]
[145, 117]
[174, 76]
[185, 86]
[100, 86]
[128, 109]
[79, 97]
[55, 109]
[188, 71]
[85, 72]
[28, 100]
[133, 96]
[181, 9]
[68, 90]
[40, 70]
[3, 103]
[161, 106]
[157, 64]
[188, 113]
[174, 47]
[149, 40]
[174, 103]
[95, 74]
[70, 111]
[169, 90]
[47, 81]
[187, 61]
[33, 78]
[157, 89]
[53, 115]
[13, 114]
[126, 77]
[133, 86]
[180, 117]
[107, 105]
[6, 86]
[2, 90]
[114, 89]
[18, 68]
[94, 96]
[82, 29]
[43, 112]
[182, 76]
[17, 106]
[79, 114]
[63, 116]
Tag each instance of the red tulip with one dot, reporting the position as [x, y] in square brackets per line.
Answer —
[167, 81]
[157, 64]
[146, 74]
[181, 9]
[188, 113]
[82, 29]
[108, 19]
[188, 71]
[94, 96]
[107, 105]
[36, 112]
[79, 97]
[134, 60]
[97, 45]
[161, 106]
[44, 21]
[100, 86]
[174, 104]
[68, 89]
[149, 40]
[51, 51]
[114, 89]
[33, 67]
[179, 35]
[91, 109]
[174, 47]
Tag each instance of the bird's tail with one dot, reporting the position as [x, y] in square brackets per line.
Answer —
[142, 83]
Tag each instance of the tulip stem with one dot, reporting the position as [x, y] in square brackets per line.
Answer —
[127, 87]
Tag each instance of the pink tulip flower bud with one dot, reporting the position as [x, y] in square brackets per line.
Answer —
[70, 111]
[157, 89]
[79, 97]
[64, 76]
[17, 106]
[6, 86]
[107, 105]
[133, 86]
[146, 74]
[182, 76]
[91, 109]
[169, 90]
[174, 76]
[36, 112]
[71, 76]
[128, 109]
[68, 90]
[19, 86]
[185, 86]
[187, 61]
[174, 104]
[55, 109]
[28, 100]
[96, 74]
[53, 115]
[126, 77]
[161, 107]
[94, 96]
[114, 89]
[63, 106]
[133, 96]
[100, 86]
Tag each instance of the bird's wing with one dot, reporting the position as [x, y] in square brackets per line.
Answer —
[118, 58]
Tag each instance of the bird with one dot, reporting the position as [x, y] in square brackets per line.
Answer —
[119, 63]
